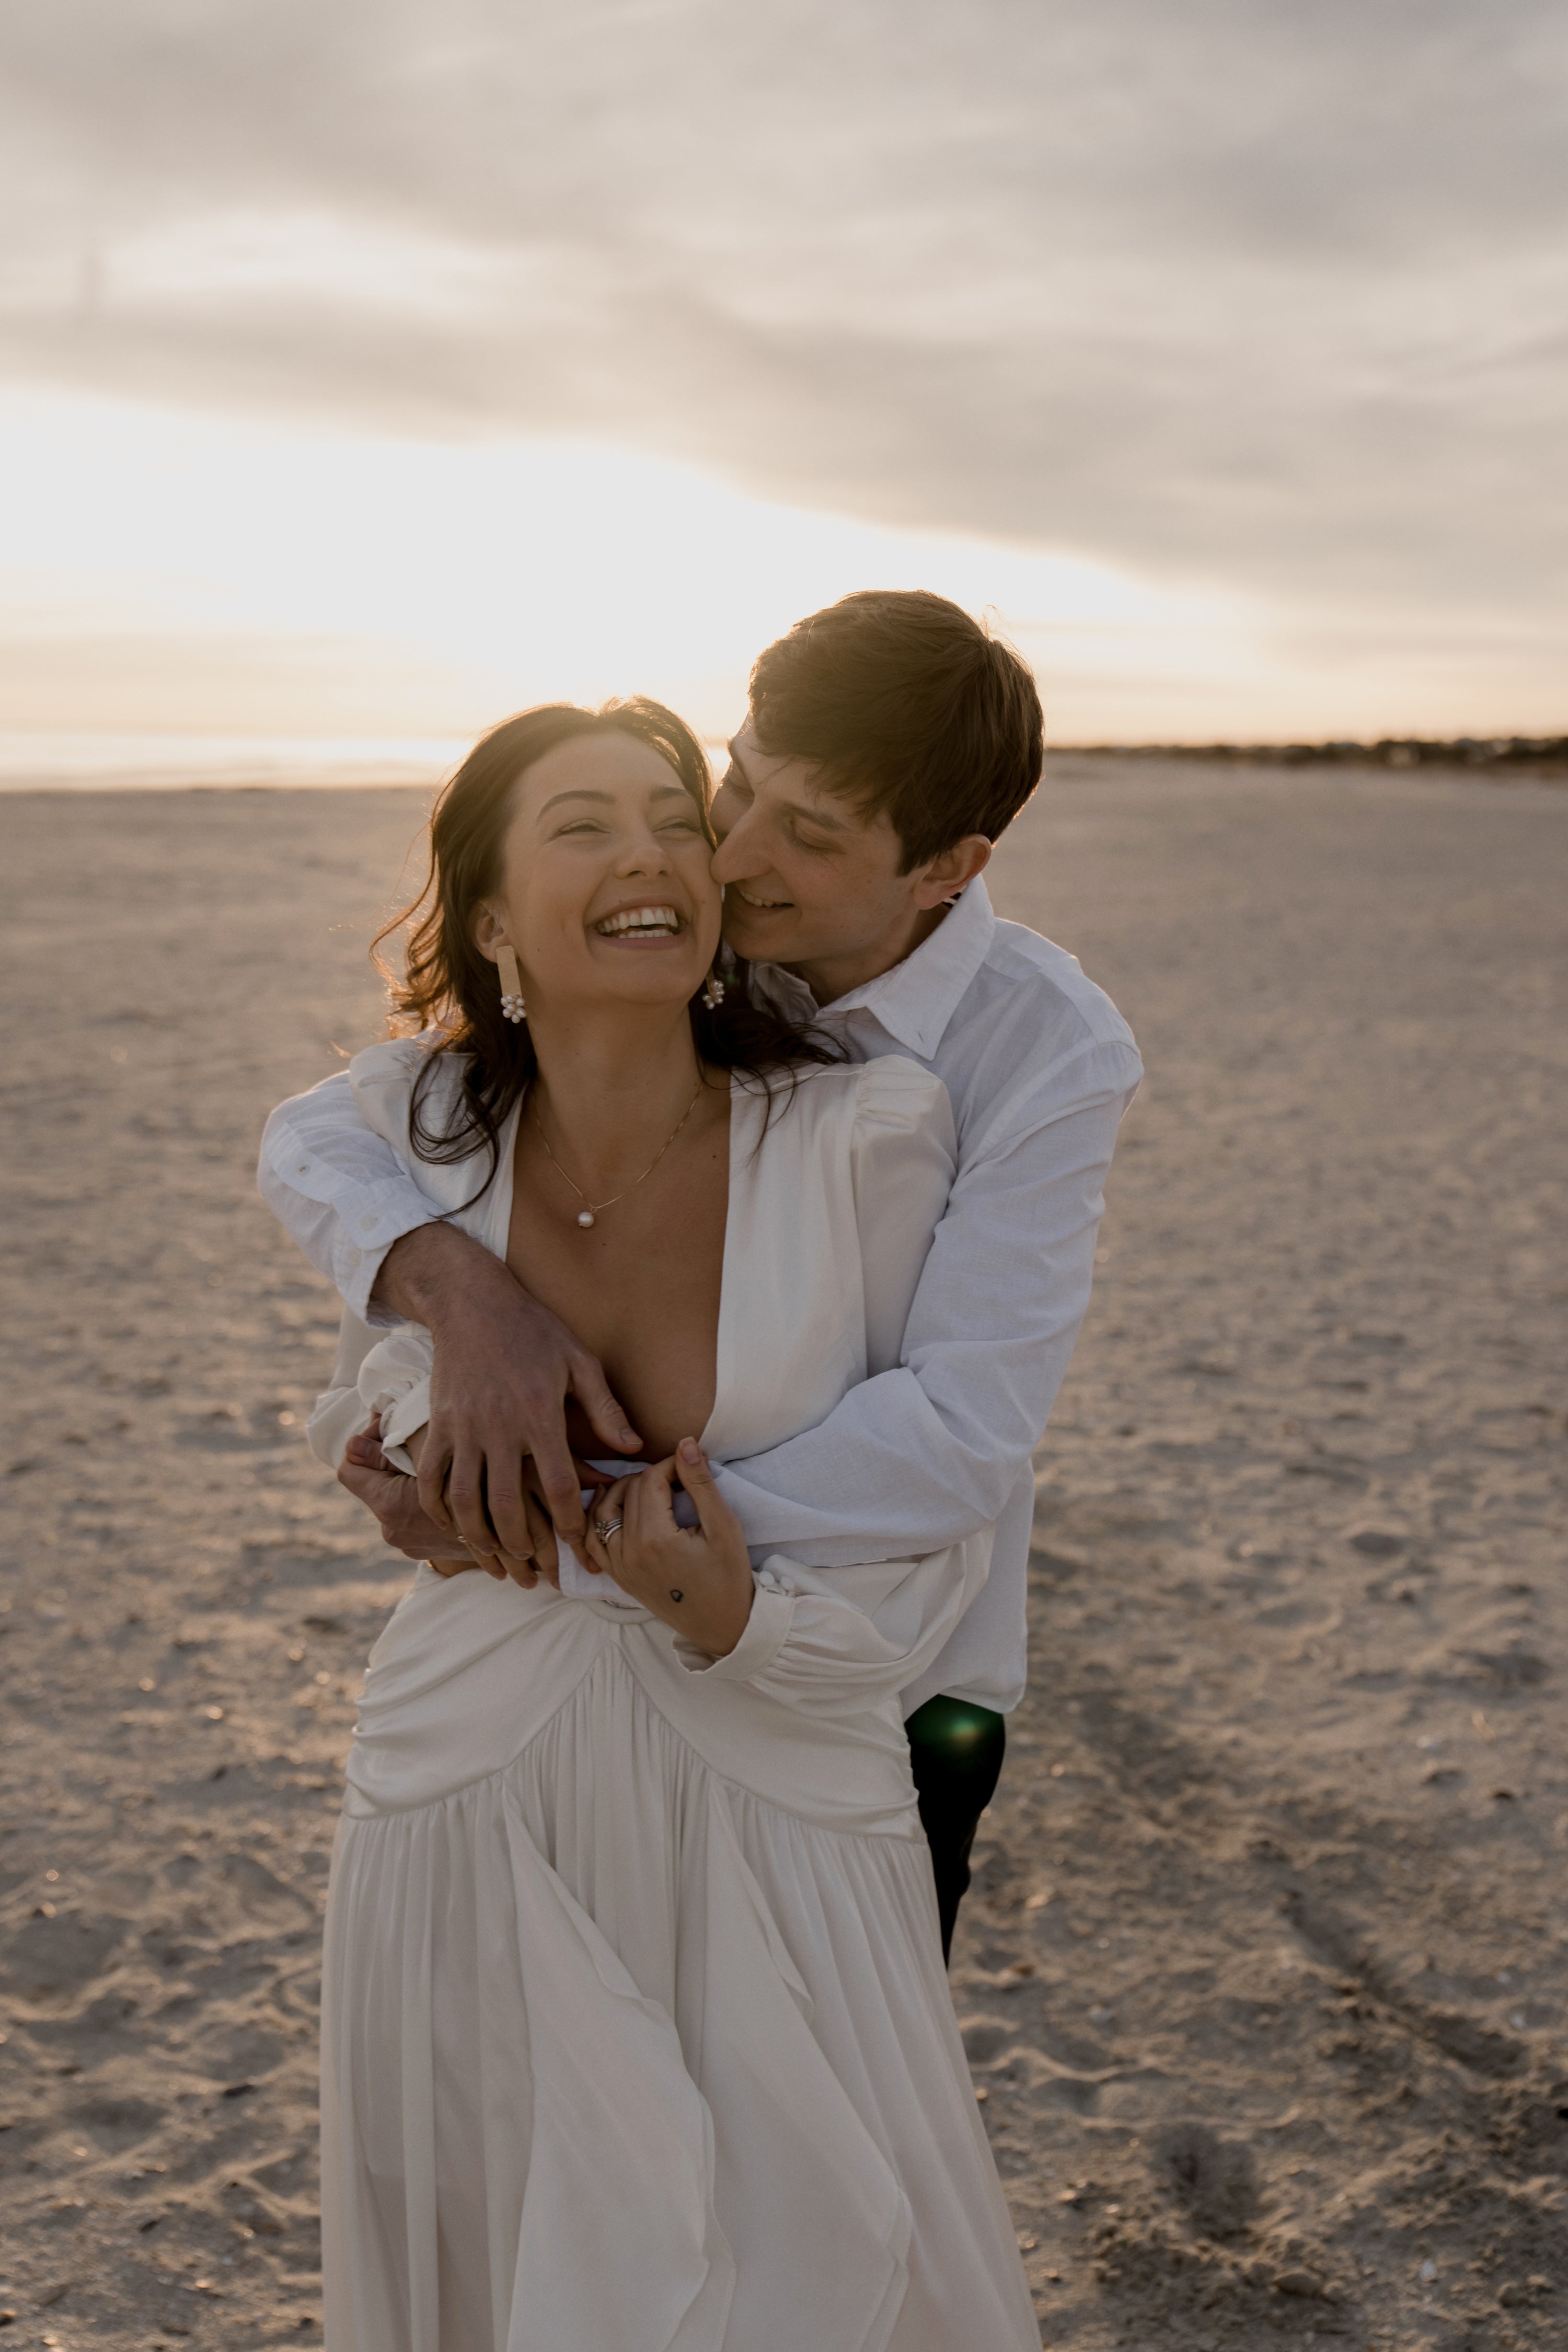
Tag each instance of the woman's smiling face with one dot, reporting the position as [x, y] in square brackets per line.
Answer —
[605, 891]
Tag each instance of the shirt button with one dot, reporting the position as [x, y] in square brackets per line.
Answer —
[367, 1224]
[303, 1168]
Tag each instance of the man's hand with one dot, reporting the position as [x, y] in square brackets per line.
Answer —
[504, 1368]
[394, 1499]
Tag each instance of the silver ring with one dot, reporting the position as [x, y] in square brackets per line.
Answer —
[605, 1528]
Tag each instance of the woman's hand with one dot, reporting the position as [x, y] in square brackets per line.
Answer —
[698, 1580]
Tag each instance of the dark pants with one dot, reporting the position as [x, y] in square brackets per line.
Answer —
[956, 1752]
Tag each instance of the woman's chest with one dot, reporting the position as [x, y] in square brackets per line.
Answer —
[640, 1290]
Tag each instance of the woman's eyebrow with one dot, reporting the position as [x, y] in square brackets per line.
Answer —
[582, 792]
[579, 793]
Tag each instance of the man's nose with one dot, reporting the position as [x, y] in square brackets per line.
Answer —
[733, 859]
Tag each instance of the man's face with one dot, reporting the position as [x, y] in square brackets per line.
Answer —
[808, 881]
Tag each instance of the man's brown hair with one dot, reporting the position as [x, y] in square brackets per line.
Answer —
[909, 706]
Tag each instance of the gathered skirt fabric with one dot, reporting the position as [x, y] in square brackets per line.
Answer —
[637, 2036]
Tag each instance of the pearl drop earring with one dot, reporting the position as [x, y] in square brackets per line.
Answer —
[712, 992]
[512, 1003]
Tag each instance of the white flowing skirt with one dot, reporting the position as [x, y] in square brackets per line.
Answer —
[637, 2036]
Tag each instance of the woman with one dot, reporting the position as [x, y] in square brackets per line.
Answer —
[637, 2036]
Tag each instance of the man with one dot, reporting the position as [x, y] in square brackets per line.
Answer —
[890, 740]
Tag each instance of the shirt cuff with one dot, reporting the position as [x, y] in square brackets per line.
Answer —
[767, 1630]
[409, 1413]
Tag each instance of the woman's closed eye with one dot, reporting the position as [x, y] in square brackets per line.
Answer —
[590, 828]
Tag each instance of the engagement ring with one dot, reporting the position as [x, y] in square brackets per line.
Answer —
[608, 1527]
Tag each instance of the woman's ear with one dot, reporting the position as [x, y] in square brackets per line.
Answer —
[943, 877]
[489, 931]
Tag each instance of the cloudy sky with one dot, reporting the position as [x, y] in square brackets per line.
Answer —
[372, 364]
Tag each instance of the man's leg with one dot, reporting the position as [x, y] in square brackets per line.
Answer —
[956, 1752]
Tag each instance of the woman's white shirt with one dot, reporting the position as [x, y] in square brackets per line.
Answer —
[837, 1186]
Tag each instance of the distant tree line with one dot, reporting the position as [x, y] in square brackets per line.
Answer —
[1508, 757]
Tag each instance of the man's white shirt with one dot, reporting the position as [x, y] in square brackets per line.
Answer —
[1040, 1066]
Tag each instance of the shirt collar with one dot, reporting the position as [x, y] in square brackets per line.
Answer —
[915, 1000]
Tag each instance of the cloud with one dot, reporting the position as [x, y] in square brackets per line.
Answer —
[1232, 293]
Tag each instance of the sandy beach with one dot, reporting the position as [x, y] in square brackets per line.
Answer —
[1265, 1975]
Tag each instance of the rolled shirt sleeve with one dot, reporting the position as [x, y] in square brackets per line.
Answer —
[339, 1190]
[386, 1373]
[839, 1649]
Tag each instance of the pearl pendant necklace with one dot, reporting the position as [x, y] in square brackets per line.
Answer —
[588, 1215]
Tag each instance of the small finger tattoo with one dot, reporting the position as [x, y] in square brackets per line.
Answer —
[675, 1595]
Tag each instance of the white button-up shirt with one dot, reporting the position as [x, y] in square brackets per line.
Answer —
[1040, 1066]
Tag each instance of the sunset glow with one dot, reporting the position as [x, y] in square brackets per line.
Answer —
[366, 374]
[175, 570]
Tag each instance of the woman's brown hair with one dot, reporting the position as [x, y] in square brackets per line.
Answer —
[449, 987]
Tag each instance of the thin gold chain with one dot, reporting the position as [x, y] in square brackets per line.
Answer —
[594, 1207]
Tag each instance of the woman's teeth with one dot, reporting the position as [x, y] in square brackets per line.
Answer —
[639, 919]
